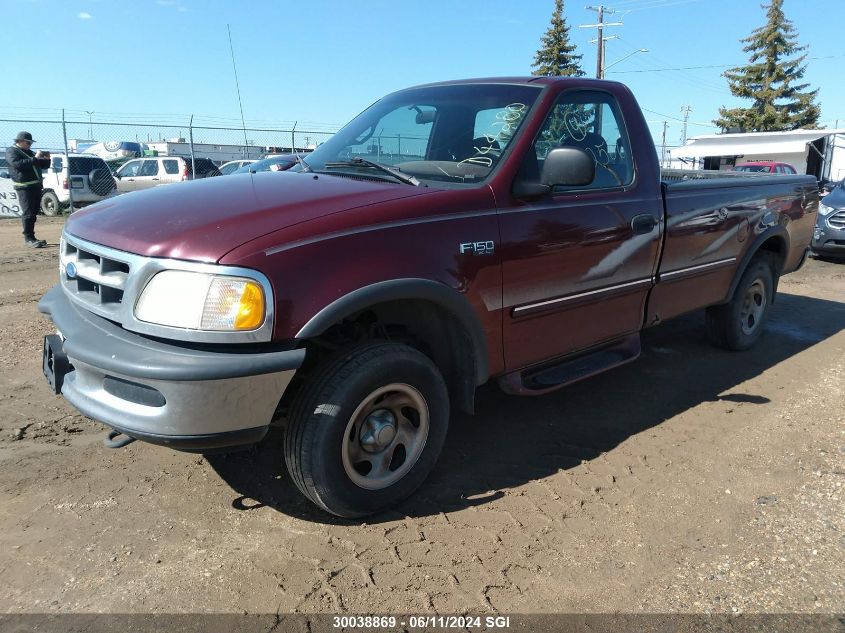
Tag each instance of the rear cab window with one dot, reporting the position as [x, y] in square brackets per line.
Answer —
[171, 166]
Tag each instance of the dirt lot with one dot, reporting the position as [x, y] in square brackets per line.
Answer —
[693, 480]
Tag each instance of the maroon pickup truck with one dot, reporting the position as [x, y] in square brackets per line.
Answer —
[517, 229]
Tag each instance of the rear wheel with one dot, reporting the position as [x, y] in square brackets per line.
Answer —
[50, 204]
[738, 325]
[367, 428]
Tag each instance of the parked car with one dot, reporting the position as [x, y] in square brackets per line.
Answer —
[829, 234]
[144, 173]
[110, 150]
[766, 167]
[88, 176]
[524, 233]
[280, 162]
[233, 165]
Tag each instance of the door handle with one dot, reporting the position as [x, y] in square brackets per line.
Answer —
[155, 178]
[643, 223]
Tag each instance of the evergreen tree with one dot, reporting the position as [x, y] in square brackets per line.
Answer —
[556, 57]
[770, 80]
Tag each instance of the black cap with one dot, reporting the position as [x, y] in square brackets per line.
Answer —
[24, 136]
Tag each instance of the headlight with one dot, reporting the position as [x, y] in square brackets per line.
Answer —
[825, 210]
[201, 301]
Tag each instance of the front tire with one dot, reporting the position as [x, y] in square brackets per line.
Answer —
[738, 325]
[367, 428]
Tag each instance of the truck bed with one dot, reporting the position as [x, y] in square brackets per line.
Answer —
[713, 220]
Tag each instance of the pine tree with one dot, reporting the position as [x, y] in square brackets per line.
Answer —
[780, 103]
[556, 57]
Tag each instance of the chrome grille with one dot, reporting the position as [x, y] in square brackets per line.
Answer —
[837, 220]
[99, 280]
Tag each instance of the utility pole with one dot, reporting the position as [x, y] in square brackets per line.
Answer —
[90, 134]
[600, 40]
[685, 110]
[663, 145]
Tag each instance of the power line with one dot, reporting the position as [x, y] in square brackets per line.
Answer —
[659, 4]
[660, 70]
[674, 118]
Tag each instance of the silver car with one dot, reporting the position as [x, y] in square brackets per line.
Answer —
[829, 234]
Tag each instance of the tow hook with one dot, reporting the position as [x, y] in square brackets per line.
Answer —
[114, 440]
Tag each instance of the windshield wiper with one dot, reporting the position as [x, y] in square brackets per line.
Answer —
[393, 171]
[305, 166]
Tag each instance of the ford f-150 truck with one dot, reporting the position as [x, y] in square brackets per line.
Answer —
[516, 229]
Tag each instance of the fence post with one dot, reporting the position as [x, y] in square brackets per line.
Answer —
[67, 155]
[293, 138]
[191, 140]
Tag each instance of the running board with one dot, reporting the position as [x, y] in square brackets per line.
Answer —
[540, 379]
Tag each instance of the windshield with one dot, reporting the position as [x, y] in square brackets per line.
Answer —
[454, 133]
[755, 168]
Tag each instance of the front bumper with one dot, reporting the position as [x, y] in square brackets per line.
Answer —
[176, 395]
[828, 240]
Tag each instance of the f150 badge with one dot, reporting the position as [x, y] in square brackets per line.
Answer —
[478, 248]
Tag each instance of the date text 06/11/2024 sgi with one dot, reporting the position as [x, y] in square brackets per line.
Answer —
[422, 621]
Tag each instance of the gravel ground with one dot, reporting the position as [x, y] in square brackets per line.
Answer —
[694, 480]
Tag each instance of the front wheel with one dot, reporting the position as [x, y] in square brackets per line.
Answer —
[738, 325]
[50, 204]
[367, 428]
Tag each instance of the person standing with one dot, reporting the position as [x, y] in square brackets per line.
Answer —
[25, 170]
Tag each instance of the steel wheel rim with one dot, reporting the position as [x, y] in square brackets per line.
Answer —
[374, 456]
[753, 306]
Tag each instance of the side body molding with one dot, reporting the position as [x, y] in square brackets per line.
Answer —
[396, 290]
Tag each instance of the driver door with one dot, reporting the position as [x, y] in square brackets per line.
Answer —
[127, 175]
[578, 264]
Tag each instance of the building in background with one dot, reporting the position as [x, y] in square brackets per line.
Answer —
[820, 153]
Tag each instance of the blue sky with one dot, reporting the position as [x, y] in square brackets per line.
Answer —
[320, 62]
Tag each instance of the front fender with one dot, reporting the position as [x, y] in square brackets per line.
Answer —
[406, 289]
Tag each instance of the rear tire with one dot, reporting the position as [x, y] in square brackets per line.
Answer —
[101, 182]
[367, 428]
[738, 325]
[50, 204]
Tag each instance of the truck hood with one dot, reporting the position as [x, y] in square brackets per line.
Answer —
[204, 219]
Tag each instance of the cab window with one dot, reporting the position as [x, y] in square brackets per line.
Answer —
[591, 121]
[130, 169]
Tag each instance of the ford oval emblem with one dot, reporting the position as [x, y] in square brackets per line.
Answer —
[70, 269]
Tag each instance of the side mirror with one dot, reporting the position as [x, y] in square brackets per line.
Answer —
[568, 167]
[563, 167]
[424, 117]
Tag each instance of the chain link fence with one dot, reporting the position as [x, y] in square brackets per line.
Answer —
[70, 182]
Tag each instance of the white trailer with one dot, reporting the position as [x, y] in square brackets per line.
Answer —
[820, 153]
